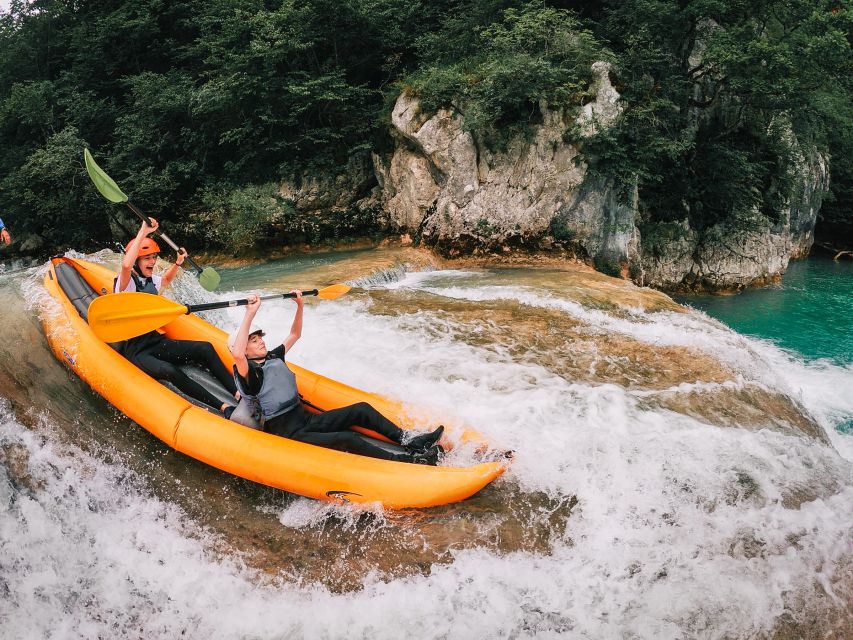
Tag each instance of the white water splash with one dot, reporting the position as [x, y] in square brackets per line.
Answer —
[683, 529]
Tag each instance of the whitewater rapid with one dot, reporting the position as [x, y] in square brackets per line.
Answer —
[682, 527]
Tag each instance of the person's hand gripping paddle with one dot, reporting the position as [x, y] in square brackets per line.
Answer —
[207, 277]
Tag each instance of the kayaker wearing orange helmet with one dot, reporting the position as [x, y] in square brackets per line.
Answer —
[140, 257]
[152, 352]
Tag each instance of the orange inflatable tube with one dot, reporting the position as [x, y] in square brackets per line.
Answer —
[300, 468]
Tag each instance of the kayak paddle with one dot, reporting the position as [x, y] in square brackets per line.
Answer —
[120, 316]
[207, 277]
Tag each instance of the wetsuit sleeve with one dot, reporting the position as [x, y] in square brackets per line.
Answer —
[253, 381]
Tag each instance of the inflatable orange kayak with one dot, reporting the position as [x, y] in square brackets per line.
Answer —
[300, 468]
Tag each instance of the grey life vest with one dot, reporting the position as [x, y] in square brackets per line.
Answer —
[278, 393]
[144, 285]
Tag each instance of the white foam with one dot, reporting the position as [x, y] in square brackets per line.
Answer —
[826, 389]
[682, 529]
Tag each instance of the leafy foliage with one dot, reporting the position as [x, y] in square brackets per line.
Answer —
[198, 108]
[57, 169]
[721, 97]
[246, 215]
[525, 55]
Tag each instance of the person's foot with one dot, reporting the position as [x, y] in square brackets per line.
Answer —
[426, 440]
[429, 456]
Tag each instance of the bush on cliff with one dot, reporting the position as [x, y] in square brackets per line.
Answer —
[499, 72]
[713, 91]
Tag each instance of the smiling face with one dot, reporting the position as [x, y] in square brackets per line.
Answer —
[256, 347]
[145, 265]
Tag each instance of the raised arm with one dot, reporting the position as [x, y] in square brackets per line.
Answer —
[132, 253]
[296, 327]
[242, 340]
[173, 270]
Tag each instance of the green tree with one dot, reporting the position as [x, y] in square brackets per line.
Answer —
[72, 216]
[523, 56]
[712, 90]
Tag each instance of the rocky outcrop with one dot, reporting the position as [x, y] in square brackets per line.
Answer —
[446, 187]
[813, 177]
[747, 251]
[455, 192]
[723, 258]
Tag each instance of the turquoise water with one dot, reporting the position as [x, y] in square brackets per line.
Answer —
[809, 312]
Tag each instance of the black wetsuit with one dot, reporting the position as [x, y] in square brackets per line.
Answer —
[330, 429]
[159, 357]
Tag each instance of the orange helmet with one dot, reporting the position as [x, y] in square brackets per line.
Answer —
[146, 247]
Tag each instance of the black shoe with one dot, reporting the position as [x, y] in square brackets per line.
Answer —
[429, 456]
[228, 411]
[426, 440]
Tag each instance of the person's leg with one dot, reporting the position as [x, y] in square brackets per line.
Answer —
[364, 415]
[162, 370]
[199, 352]
[331, 429]
[360, 414]
[350, 442]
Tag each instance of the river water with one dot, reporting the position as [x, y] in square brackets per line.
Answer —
[672, 478]
[809, 312]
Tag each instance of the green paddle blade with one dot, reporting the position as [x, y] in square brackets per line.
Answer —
[209, 279]
[106, 185]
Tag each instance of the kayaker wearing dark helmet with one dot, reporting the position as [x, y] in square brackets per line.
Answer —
[152, 352]
[268, 384]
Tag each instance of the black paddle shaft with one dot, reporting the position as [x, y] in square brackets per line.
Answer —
[209, 306]
[166, 238]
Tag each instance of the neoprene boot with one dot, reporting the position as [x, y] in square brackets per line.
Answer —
[424, 441]
[428, 456]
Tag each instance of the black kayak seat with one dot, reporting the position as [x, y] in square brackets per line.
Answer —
[79, 292]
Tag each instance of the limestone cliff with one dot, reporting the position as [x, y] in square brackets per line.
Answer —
[449, 189]
[457, 193]
[746, 251]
